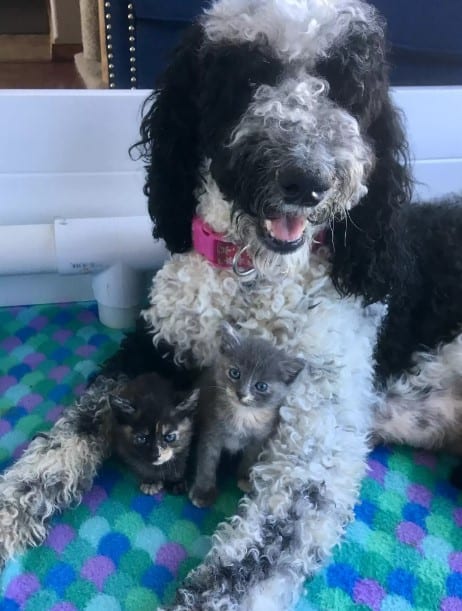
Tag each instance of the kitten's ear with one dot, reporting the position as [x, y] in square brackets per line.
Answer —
[229, 338]
[123, 408]
[189, 403]
[290, 368]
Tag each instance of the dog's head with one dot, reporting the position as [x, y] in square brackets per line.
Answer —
[288, 102]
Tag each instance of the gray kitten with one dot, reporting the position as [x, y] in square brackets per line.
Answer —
[152, 431]
[238, 406]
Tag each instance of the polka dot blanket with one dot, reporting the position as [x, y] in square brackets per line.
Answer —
[122, 550]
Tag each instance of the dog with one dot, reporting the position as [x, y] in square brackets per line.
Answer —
[277, 173]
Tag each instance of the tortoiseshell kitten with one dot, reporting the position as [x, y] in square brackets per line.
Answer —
[239, 406]
[153, 428]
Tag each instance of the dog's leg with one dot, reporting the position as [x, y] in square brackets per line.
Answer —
[55, 470]
[423, 407]
[304, 491]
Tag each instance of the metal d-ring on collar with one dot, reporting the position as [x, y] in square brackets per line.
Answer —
[242, 273]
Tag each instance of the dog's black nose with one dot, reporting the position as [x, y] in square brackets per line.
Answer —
[300, 187]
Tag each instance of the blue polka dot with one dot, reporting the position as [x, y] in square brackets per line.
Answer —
[107, 478]
[58, 392]
[194, 514]
[8, 605]
[447, 490]
[25, 333]
[403, 583]
[381, 454]
[157, 578]
[342, 576]
[60, 577]
[97, 340]
[365, 511]
[60, 354]
[454, 585]
[18, 371]
[144, 504]
[413, 512]
[114, 545]
[61, 318]
[14, 414]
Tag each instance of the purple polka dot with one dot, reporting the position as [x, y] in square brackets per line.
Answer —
[94, 497]
[54, 414]
[6, 382]
[97, 569]
[80, 389]
[22, 587]
[455, 562]
[58, 373]
[457, 515]
[86, 316]
[38, 322]
[410, 533]
[451, 604]
[5, 426]
[60, 536]
[10, 343]
[63, 607]
[171, 555]
[62, 335]
[376, 471]
[34, 359]
[85, 351]
[368, 592]
[29, 402]
[425, 459]
[20, 449]
[420, 494]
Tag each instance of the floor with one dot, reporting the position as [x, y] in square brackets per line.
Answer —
[39, 75]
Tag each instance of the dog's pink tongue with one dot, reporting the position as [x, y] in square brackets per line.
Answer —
[288, 228]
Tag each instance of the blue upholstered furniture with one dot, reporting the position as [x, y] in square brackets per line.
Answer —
[424, 35]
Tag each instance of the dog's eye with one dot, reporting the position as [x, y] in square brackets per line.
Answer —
[139, 439]
[261, 386]
[169, 437]
[234, 373]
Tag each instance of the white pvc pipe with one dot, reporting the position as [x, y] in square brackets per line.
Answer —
[76, 246]
[116, 250]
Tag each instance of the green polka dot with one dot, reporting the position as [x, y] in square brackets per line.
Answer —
[103, 602]
[164, 517]
[33, 378]
[44, 599]
[4, 453]
[76, 516]
[129, 524]
[150, 539]
[391, 502]
[135, 562]
[200, 547]
[437, 549]
[439, 525]
[93, 529]
[17, 392]
[227, 503]
[397, 482]
[30, 424]
[141, 598]
[119, 584]
[40, 560]
[184, 532]
[80, 593]
[77, 552]
[334, 598]
[111, 510]
[185, 567]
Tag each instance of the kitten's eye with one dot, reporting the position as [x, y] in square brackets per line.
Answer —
[234, 373]
[261, 386]
[139, 439]
[169, 437]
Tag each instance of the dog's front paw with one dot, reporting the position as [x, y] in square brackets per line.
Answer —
[151, 488]
[202, 498]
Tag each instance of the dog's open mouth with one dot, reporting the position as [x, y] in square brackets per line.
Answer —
[284, 233]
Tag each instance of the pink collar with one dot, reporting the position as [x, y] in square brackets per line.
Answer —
[222, 254]
[215, 249]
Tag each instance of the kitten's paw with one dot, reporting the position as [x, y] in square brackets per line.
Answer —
[243, 483]
[151, 488]
[176, 487]
[202, 498]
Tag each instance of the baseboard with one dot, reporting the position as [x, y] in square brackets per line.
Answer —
[25, 47]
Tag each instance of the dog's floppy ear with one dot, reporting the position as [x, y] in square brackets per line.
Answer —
[169, 144]
[364, 243]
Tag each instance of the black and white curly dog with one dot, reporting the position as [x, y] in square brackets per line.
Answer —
[274, 134]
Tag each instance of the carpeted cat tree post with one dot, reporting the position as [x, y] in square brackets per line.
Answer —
[88, 62]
